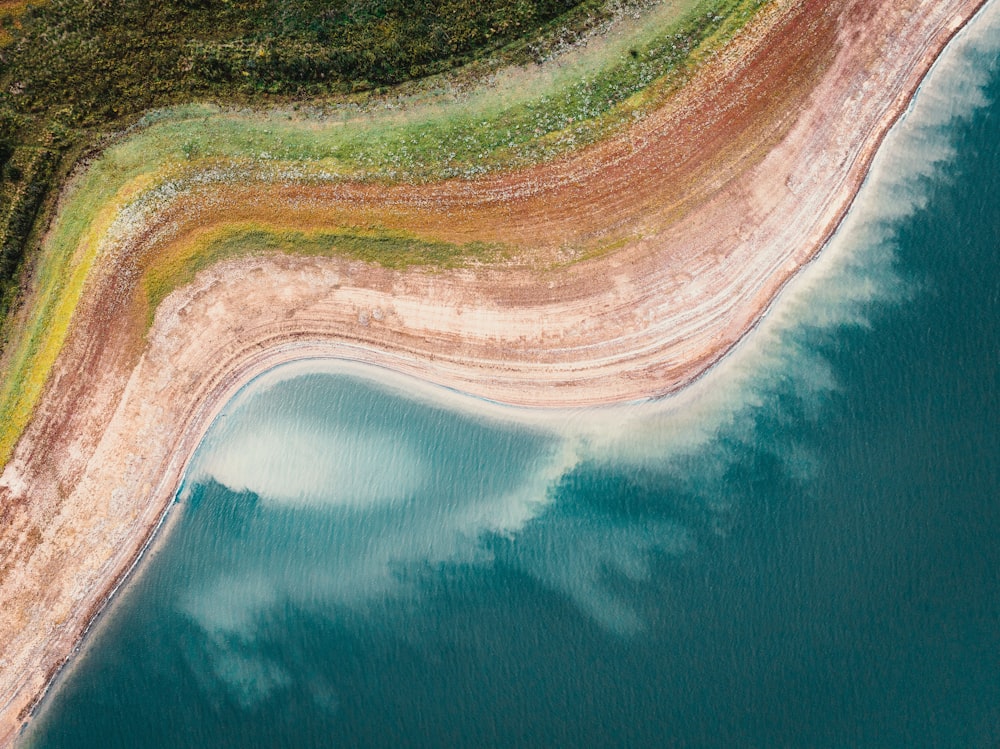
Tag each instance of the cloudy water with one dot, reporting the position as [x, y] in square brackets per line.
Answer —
[801, 550]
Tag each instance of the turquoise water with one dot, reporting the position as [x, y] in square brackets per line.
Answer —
[803, 550]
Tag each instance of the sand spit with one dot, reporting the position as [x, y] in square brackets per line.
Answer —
[720, 196]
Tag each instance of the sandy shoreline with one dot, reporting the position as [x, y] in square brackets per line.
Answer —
[100, 463]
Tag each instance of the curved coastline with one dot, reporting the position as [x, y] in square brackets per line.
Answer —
[121, 456]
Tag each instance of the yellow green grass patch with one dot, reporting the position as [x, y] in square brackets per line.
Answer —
[392, 249]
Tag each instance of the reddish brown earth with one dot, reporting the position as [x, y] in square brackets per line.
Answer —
[714, 201]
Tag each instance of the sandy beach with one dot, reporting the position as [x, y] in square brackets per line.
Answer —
[712, 203]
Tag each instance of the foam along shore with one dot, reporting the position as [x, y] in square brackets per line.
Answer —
[714, 230]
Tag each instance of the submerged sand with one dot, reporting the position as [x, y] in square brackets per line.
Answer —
[726, 193]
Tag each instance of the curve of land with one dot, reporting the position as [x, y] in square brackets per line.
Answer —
[617, 271]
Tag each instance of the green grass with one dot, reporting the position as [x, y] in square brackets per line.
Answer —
[391, 249]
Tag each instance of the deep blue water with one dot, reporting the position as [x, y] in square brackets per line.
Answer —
[804, 552]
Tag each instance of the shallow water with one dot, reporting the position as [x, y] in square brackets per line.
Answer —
[802, 550]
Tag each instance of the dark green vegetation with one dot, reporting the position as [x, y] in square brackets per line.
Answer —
[74, 69]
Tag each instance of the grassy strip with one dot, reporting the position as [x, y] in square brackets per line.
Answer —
[61, 281]
[391, 249]
[495, 128]
[523, 119]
